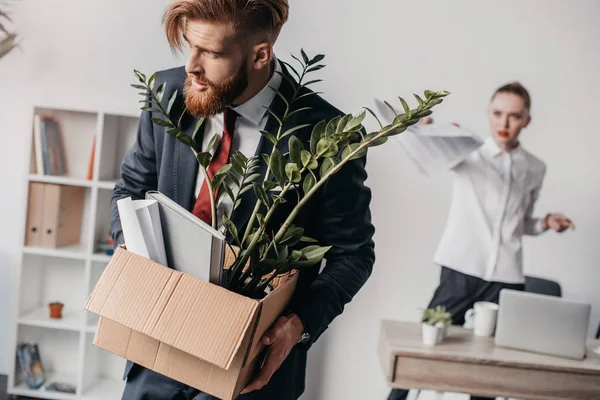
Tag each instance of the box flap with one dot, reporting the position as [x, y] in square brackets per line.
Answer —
[272, 307]
[191, 315]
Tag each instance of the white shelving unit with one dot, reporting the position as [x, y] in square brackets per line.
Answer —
[68, 274]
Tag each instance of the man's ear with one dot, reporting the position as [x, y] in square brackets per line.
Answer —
[262, 54]
[528, 120]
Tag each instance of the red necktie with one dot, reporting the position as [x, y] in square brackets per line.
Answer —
[202, 207]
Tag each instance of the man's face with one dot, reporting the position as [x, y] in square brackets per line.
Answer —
[507, 115]
[217, 68]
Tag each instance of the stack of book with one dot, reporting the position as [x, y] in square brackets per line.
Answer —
[48, 146]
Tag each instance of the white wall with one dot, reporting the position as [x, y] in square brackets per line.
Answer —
[80, 54]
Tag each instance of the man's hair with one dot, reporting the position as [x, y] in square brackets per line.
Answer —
[515, 88]
[248, 17]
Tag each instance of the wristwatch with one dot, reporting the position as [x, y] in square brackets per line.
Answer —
[304, 338]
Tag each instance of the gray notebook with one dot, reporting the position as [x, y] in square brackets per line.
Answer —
[191, 245]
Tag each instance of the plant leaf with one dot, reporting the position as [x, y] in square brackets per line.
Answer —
[160, 92]
[204, 159]
[270, 137]
[375, 116]
[323, 146]
[278, 166]
[151, 80]
[314, 254]
[355, 122]
[342, 123]
[141, 87]
[296, 149]
[223, 170]
[292, 236]
[316, 59]
[260, 193]
[281, 96]
[266, 158]
[397, 130]
[161, 122]
[317, 134]
[327, 165]
[304, 57]
[419, 99]
[231, 228]
[315, 68]
[307, 239]
[197, 128]
[332, 126]
[150, 110]
[309, 182]
[292, 172]
[140, 76]
[275, 116]
[171, 102]
[294, 129]
[299, 110]
[291, 68]
[312, 82]
[377, 142]
[351, 148]
[269, 185]
[217, 181]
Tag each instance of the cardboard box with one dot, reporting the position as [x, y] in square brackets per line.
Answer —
[180, 326]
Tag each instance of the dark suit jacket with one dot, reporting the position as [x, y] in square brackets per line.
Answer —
[338, 215]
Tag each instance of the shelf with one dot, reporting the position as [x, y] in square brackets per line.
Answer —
[108, 185]
[60, 180]
[71, 252]
[92, 323]
[72, 320]
[101, 257]
[23, 390]
[108, 389]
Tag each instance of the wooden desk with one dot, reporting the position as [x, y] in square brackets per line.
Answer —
[467, 364]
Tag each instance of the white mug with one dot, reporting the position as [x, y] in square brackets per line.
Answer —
[482, 318]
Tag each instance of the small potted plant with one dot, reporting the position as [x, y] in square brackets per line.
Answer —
[435, 322]
[56, 310]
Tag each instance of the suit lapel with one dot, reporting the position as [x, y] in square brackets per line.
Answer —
[186, 165]
[244, 211]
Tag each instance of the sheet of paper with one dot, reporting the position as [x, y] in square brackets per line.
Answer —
[433, 147]
[142, 230]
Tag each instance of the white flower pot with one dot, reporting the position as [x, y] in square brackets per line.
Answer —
[444, 328]
[432, 334]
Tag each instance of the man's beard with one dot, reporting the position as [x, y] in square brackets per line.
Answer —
[215, 98]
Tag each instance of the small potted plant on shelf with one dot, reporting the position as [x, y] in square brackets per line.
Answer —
[435, 323]
[56, 310]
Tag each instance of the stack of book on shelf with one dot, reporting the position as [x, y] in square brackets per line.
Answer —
[48, 146]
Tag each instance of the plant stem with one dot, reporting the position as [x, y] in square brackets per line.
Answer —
[257, 205]
[242, 260]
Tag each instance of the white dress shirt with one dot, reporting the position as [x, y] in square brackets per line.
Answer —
[494, 193]
[252, 119]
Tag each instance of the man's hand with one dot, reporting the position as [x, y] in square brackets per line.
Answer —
[557, 222]
[283, 335]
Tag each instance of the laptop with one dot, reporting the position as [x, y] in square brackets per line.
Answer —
[542, 324]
